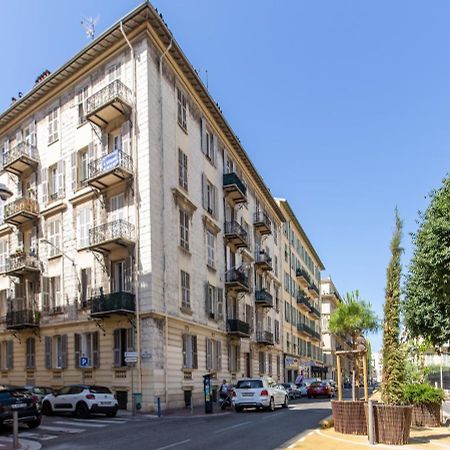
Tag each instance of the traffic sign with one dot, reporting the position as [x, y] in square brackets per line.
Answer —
[84, 361]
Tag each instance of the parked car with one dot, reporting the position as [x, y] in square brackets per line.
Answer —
[259, 393]
[39, 392]
[292, 390]
[81, 400]
[320, 388]
[27, 407]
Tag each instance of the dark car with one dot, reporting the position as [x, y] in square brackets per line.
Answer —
[24, 403]
[320, 388]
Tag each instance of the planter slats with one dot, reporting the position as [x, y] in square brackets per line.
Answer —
[348, 417]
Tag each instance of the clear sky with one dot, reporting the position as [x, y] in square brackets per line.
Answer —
[344, 106]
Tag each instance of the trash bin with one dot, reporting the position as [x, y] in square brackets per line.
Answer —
[208, 394]
[137, 400]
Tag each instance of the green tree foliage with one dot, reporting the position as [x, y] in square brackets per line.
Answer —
[427, 303]
[393, 357]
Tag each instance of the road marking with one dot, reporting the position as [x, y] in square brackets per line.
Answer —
[99, 421]
[174, 444]
[41, 437]
[61, 429]
[230, 428]
[76, 424]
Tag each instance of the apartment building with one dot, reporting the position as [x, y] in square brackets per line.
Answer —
[331, 341]
[301, 268]
[137, 222]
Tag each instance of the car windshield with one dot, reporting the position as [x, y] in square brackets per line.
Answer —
[99, 390]
[249, 384]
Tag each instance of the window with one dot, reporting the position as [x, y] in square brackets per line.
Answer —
[262, 363]
[181, 101]
[87, 345]
[56, 352]
[30, 344]
[84, 223]
[210, 196]
[213, 355]
[211, 244]
[182, 170]
[189, 351]
[185, 290]
[53, 125]
[81, 100]
[123, 342]
[214, 302]
[54, 237]
[184, 229]
[234, 358]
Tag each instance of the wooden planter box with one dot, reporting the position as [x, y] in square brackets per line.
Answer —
[348, 417]
[392, 423]
[426, 415]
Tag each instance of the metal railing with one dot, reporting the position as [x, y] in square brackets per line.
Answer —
[22, 318]
[262, 217]
[264, 336]
[231, 178]
[238, 326]
[19, 260]
[115, 301]
[109, 93]
[21, 149]
[117, 229]
[22, 204]
[236, 276]
[234, 227]
[117, 159]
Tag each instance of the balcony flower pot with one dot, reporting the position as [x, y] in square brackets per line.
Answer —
[348, 417]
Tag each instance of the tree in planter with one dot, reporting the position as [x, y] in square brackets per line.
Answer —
[427, 300]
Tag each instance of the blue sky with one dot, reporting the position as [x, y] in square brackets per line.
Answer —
[344, 106]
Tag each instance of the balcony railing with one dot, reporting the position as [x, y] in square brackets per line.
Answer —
[263, 260]
[16, 320]
[264, 298]
[21, 210]
[21, 263]
[111, 102]
[238, 327]
[235, 234]
[262, 222]
[113, 303]
[234, 188]
[20, 158]
[264, 337]
[110, 169]
[237, 280]
[110, 235]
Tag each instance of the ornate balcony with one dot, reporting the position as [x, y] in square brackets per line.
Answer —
[110, 169]
[238, 327]
[237, 281]
[19, 320]
[234, 188]
[108, 104]
[314, 313]
[262, 223]
[264, 337]
[264, 298]
[303, 303]
[21, 211]
[235, 234]
[23, 158]
[113, 303]
[263, 260]
[20, 264]
[111, 235]
[302, 277]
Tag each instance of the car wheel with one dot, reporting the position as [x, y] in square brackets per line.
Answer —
[271, 406]
[238, 409]
[47, 409]
[34, 424]
[82, 411]
[286, 402]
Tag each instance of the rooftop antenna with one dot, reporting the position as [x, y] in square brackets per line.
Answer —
[88, 24]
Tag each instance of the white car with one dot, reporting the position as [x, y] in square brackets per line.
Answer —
[81, 400]
[259, 393]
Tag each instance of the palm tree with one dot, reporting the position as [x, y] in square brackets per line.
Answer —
[353, 317]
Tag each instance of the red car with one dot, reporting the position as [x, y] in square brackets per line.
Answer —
[320, 388]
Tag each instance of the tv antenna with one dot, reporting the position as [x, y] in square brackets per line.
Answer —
[88, 24]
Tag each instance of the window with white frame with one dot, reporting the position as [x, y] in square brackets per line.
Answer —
[182, 107]
[185, 289]
[213, 355]
[84, 223]
[189, 351]
[82, 95]
[53, 125]
[184, 229]
[211, 246]
[182, 170]
[54, 237]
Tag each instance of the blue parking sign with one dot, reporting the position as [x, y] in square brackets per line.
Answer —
[84, 361]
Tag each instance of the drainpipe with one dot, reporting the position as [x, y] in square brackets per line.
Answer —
[161, 139]
[134, 153]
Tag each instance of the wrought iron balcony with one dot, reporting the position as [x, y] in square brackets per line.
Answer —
[234, 188]
[262, 222]
[303, 277]
[264, 337]
[238, 327]
[110, 103]
[111, 235]
[21, 210]
[263, 260]
[235, 234]
[236, 280]
[110, 169]
[19, 320]
[264, 298]
[21, 263]
[113, 303]
[20, 159]
[314, 312]
[303, 303]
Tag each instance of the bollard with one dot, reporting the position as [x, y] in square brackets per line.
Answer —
[158, 407]
[370, 428]
[15, 429]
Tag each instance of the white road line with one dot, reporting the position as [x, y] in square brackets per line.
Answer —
[174, 444]
[99, 421]
[61, 429]
[76, 424]
[230, 428]
[40, 437]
